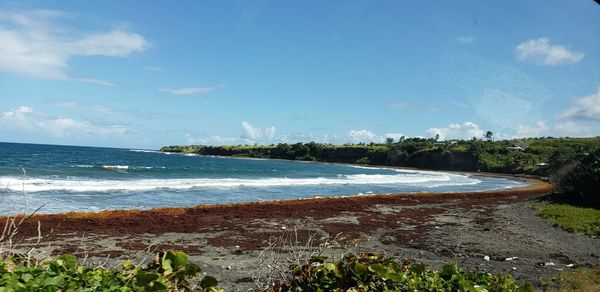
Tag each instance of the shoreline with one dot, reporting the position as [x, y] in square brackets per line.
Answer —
[229, 239]
[135, 217]
[534, 185]
[532, 182]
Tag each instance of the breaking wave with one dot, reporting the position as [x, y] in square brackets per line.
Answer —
[90, 185]
[144, 151]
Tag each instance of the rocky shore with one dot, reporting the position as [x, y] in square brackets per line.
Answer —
[487, 231]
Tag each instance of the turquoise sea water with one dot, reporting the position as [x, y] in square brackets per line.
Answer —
[68, 178]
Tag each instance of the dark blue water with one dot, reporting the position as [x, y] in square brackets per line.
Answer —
[68, 178]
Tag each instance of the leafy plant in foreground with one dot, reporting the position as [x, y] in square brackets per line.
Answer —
[376, 272]
[170, 271]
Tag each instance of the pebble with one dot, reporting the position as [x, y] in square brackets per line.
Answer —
[486, 258]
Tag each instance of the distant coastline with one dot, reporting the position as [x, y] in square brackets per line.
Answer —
[531, 156]
[66, 178]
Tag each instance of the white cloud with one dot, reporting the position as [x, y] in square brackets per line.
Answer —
[66, 104]
[587, 107]
[467, 130]
[560, 129]
[541, 52]
[93, 81]
[571, 129]
[34, 44]
[214, 140]
[395, 136]
[257, 134]
[364, 136]
[399, 105]
[190, 90]
[251, 135]
[464, 39]
[26, 119]
[116, 43]
[460, 104]
[541, 129]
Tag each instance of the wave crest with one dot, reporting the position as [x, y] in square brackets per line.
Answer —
[43, 184]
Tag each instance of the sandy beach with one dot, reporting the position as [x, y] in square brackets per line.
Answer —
[433, 228]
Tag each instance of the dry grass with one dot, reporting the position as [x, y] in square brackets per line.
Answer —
[581, 279]
[288, 250]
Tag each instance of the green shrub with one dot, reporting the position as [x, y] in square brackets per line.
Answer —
[170, 271]
[364, 160]
[376, 272]
[582, 178]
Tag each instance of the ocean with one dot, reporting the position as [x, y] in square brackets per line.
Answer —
[71, 178]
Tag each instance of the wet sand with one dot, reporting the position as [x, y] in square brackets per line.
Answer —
[434, 228]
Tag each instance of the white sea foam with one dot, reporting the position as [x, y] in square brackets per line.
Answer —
[81, 185]
[115, 167]
[148, 167]
[83, 166]
[144, 151]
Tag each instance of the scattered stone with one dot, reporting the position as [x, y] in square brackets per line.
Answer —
[514, 268]
[244, 280]
[228, 267]
[570, 265]
[511, 259]
[486, 258]
[283, 227]
[549, 264]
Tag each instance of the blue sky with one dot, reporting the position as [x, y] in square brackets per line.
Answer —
[147, 74]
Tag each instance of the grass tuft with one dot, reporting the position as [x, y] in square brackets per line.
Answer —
[571, 218]
[581, 279]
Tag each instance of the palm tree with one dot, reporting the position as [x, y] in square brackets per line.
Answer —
[488, 135]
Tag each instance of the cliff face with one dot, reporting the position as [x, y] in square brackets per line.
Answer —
[344, 155]
[436, 159]
[445, 160]
[538, 156]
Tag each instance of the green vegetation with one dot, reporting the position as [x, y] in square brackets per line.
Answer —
[538, 156]
[376, 272]
[571, 218]
[577, 207]
[170, 270]
[580, 176]
[578, 280]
